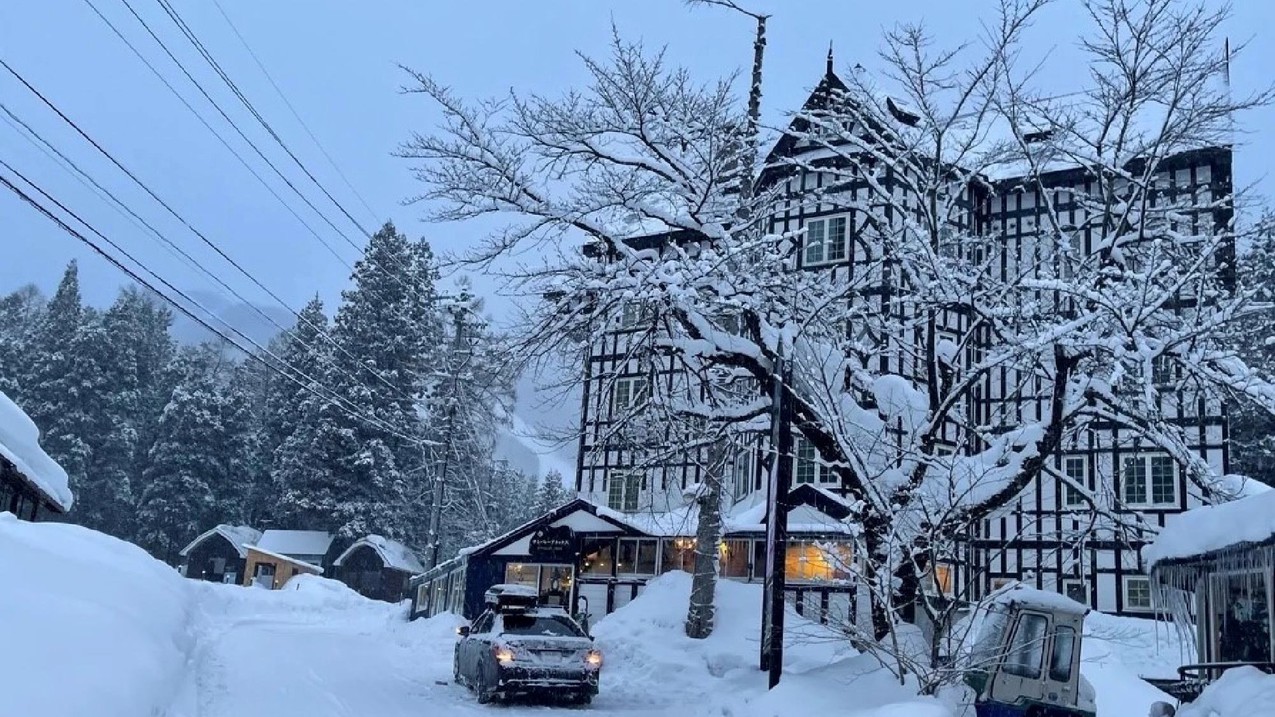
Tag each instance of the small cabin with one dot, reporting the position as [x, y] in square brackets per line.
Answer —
[281, 554]
[31, 483]
[592, 560]
[378, 568]
[220, 554]
[1214, 568]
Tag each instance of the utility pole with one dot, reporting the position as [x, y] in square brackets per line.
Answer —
[772, 631]
[454, 367]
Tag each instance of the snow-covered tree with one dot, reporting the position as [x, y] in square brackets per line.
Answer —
[385, 335]
[187, 461]
[889, 360]
[19, 314]
[551, 493]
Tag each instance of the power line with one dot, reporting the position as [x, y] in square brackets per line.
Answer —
[193, 230]
[293, 110]
[309, 387]
[235, 127]
[331, 250]
[176, 250]
[203, 51]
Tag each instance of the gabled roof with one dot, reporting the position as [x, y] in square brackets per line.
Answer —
[818, 100]
[296, 542]
[20, 447]
[393, 554]
[285, 558]
[237, 535]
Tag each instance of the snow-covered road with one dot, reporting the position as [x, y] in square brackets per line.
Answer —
[272, 659]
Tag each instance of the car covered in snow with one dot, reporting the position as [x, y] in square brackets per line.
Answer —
[518, 648]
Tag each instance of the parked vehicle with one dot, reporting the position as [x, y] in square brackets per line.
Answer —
[518, 648]
[1025, 658]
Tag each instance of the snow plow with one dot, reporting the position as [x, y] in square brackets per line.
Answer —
[1025, 657]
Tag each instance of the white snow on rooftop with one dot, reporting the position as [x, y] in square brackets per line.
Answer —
[239, 536]
[1214, 527]
[294, 543]
[393, 553]
[20, 445]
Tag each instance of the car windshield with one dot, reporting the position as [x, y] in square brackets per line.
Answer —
[540, 626]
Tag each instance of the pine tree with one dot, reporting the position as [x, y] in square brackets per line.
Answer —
[20, 313]
[551, 493]
[62, 390]
[386, 332]
[1252, 430]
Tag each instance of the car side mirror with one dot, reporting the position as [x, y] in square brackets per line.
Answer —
[463, 631]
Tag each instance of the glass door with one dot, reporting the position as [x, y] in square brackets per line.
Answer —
[1240, 617]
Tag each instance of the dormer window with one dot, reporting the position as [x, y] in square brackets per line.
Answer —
[901, 113]
[825, 241]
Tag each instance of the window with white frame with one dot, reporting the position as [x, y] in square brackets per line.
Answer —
[826, 241]
[623, 490]
[807, 468]
[1076, 470]
[627, 393]
[1137, 593]
[1162, 370]
[1149, 480]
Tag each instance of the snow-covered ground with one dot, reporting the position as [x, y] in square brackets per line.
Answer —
[94, 626]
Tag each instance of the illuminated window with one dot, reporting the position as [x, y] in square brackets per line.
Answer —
[812, 561]
[636, 557]
[734, 559]
[520, 574]
[679, 554]
[941, 579]
[599, 558]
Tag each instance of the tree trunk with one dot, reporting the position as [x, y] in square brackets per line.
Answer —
[708, 536]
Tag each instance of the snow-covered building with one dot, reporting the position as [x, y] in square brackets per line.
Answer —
[377, 567]
[30, 481]
[279, 555]
[1048, 535]
[220, 554]
[1213, 570]
[592, 559]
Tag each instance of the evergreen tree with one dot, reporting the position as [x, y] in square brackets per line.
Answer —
[386, 332]
[20, 313]
[62, 390]
[551, 493]
[105, 496]
[1252, 430]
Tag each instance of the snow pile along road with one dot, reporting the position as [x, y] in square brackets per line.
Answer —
[1239, 692]
[92, 625]
[1118, 652]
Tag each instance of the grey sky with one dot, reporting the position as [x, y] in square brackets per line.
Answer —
[337, 63]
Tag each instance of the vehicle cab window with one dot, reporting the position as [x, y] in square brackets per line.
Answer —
[483, 623]
[1063, 654]
[1027, 649]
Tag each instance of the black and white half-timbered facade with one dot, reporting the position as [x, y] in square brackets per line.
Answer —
[1051, 534]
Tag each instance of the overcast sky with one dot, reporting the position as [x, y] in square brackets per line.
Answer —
[337, 62]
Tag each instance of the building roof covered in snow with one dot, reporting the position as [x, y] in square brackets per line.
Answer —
[1211, 529]
[295, 543]
[20, 446]
[240, 536]
[393, 554]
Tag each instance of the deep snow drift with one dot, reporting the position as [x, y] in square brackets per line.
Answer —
[94, 626]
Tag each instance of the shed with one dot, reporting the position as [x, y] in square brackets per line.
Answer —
[1214, 567]
[593, 560]
[30, 481]
[280, 554]
[219, 555]
[378, 568]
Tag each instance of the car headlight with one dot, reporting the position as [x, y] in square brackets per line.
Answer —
[593, 658]
[504, 655]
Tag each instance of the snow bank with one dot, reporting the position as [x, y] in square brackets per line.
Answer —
[20, 444]
[647, 655]
[92, 625]
[1239, 692]
[825, 690]
[1118, 652]
[1214, 527]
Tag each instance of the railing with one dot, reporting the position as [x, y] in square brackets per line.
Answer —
[1192, 679]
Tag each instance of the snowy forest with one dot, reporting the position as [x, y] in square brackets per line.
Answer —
[344, 422]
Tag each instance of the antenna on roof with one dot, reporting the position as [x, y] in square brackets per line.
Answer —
[1226, 62]
[829, 70]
